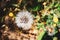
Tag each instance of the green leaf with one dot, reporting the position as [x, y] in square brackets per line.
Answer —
[36, 8]
[59, 7]
[56, 5]
[40, 0]
[40, 25]
[40, 36]
[16, 5]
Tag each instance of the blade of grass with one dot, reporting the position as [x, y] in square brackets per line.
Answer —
[41, 34]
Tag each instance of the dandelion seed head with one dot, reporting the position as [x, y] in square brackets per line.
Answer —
[24, 20]
[51, 31]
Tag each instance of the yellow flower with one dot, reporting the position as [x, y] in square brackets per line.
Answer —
[55, 19]
[54, 25]
[38, 17]
[11, 14]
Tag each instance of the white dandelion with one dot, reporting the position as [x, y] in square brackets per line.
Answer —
[51, 31]
[24, 20]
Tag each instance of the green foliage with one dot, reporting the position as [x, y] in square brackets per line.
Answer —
[59, 7]
[36, 8]
[40, 25]
[53, 6]
[41, 34]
